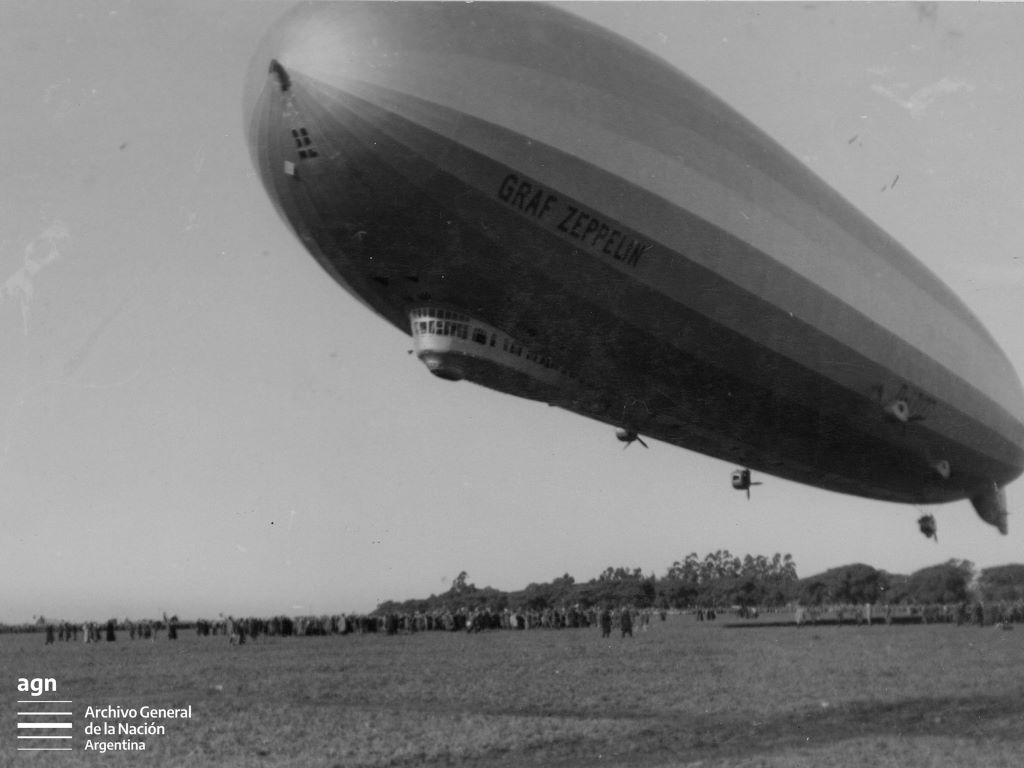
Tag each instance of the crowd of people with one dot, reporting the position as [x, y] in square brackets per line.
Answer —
[625, 619]
[243, 629]
[979, 614]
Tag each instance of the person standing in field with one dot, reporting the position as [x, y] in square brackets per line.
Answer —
[606, 622]
[626, 622]
[645, 619]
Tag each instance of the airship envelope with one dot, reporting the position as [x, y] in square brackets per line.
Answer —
[553, 212]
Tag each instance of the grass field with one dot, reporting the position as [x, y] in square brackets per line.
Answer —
[682, 694]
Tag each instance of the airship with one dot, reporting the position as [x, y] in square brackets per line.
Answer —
[553, 212]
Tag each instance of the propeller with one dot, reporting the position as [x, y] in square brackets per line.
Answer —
[629, 436]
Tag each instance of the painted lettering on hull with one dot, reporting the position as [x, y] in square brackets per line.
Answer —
[572, 221]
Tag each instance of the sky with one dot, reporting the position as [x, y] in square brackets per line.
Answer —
[195, 419]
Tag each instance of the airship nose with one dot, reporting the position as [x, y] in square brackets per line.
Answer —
[271, 66]
[306, 40]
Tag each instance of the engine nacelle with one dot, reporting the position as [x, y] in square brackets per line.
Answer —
[628, 436]
[741, 479]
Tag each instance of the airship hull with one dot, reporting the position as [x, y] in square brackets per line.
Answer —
[687, 278]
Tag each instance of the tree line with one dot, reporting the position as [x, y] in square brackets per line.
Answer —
[722, 580]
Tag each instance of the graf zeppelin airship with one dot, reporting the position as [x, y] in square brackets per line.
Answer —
[553, 212]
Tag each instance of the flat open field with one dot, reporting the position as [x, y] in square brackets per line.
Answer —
[682, 694]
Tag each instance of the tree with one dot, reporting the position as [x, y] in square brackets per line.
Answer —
[559, 592]
[854, 583]
[940, 584]
[676, 593]
[620, 586]
[619, 574]
[813, 591]
[1002, 583]
[789, 567]
[686, 570]
[723, 579]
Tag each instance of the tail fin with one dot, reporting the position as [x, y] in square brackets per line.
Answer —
[991, 507]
